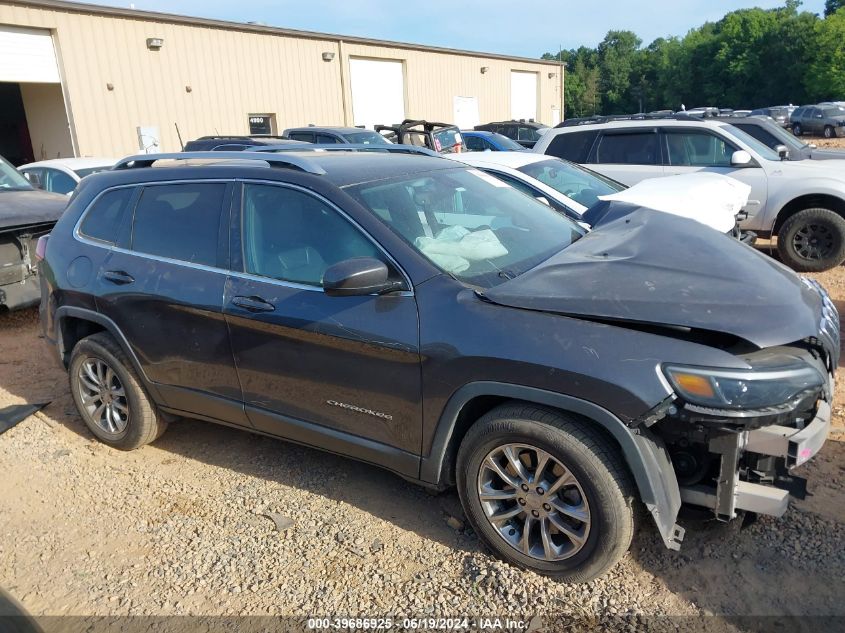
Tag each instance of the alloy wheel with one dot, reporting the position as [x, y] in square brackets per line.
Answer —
[813, 241]
[534, 502]
[102, 396]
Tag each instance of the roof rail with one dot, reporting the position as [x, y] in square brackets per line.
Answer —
[274, 160]
[594, 120]
[344, 147]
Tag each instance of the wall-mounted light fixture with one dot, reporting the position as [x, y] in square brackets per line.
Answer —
[188, 89]
[155, 43]
[484, 69]
[328, 56]
[552, 75]
[109, 87]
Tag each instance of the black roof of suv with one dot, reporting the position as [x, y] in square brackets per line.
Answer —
[418, 314]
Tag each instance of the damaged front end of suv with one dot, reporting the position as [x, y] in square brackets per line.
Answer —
[740, 373]
[734, 436]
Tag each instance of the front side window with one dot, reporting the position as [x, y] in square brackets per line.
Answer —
[574, 182]
[474, 143]
[698, 149]
[59, 181]
[638, 148]
[468, 223]
[365, 137]
[179, 222]
[292, 236]
[103, 219]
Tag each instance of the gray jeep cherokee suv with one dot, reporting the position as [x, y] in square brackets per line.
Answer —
[423, 316]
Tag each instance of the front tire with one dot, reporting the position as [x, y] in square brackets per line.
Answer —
[109, 396]
[812, 240]
[546, 492]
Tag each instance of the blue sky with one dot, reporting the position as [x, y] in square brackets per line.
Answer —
[528, 28]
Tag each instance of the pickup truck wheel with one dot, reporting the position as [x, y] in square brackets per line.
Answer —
[109, 395]
[812, 240]
[546, 492]
[796, 129]
[829, 132]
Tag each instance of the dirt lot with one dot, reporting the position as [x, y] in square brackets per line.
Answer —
[177, 528]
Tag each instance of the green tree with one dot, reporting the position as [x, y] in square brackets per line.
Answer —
[832, 6]
[617, 56]
[825, 78]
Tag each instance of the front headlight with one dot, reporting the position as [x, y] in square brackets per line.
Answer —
[738, 389]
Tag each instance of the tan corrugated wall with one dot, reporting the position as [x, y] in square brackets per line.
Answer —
[234, 73]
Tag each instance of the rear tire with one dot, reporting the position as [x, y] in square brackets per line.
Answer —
[812, 240]
[109, 396]
[576, 531]
[796, 129]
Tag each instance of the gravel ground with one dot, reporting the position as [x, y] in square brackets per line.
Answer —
[179, 528]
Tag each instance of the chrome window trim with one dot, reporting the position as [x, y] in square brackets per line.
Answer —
[92, 241]
[339, 211]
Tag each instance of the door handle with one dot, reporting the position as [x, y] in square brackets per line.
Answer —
[118, 277]
[253, 304]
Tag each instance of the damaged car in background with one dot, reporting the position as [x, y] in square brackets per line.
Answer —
[457, 332]
[586, 196]
[26, 214]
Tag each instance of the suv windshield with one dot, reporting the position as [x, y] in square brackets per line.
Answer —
[366, 138]
[468, 223]
[761, 148]
[574, 182]
[11, 178]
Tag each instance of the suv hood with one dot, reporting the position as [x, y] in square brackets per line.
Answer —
[22, 208]
[655, 268]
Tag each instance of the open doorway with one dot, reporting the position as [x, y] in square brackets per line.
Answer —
[15, 142]
[33, 117]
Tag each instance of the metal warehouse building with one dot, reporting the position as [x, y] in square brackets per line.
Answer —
[96, 81]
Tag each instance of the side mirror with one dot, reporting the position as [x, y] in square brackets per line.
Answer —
[357, 277]
[34, 179]
[741, 158]
[783, 151]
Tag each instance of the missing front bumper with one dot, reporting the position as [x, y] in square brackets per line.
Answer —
[793, 446]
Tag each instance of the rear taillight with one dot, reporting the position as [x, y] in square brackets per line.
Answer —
[41, 247]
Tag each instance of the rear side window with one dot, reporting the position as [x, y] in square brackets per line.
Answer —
[179, 222]
[328, 139]
[103, 219]
[573, 146]
[640, 148]
[307, 137]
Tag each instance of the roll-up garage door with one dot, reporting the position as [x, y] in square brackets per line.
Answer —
[378, 91]
[27, 56]
[523, 95]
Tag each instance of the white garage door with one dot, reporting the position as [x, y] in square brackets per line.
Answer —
[523, 95]
[378, 92]
[27, 56]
